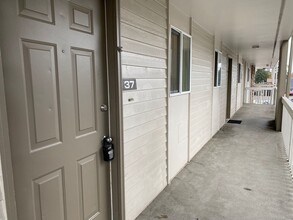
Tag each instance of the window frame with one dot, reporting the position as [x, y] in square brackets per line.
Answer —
[239, 73]
[182, 34]
[216, 75]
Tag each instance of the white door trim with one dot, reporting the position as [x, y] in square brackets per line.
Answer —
[6, 153]
[112, 8]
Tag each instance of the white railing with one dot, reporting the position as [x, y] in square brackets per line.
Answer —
[260, 95]
[287, 128]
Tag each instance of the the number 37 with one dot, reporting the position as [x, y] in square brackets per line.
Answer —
[129, 84]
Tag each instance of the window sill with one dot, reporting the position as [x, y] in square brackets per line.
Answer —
[179, 93]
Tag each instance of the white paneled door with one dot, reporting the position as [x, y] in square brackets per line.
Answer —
[55, 76]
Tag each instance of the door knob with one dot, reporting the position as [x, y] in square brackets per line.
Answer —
[104, 108]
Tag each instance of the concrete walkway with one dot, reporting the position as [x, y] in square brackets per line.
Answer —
[240, 174]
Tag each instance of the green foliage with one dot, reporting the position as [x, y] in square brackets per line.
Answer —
[261, 76]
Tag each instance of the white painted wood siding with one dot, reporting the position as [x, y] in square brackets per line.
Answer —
[201, 89]
[144, 57]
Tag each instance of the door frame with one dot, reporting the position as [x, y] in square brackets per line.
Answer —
[229, 87]
[5, 153]
[112, 26]
[114, 49]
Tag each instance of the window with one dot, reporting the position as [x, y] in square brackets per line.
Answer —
[239, 73]
[248, 75]
[175, 64]
[186, 64]
[218, 68]
[180, 62]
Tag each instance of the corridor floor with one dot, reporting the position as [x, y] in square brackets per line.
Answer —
[240, 174]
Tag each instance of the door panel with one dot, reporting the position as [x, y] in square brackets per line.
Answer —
[48, 196]
[54, 72]
[42, 10]
[88, 190]
[42, 94]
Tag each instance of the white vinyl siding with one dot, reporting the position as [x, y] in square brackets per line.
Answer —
[201, 88]
[144, 57]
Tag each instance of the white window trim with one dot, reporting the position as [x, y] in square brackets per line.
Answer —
[219, 52]
[239, 73]
[182, 33]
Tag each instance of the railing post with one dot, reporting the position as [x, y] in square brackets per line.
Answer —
[260, 95]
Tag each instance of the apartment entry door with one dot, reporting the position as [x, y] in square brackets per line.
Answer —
[229, 88]
[55, 76]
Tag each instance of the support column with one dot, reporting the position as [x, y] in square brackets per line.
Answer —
[281, 90]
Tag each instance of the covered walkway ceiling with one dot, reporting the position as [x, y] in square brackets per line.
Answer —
[240, 24]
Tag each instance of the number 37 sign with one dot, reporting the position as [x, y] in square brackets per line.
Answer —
[129, 84]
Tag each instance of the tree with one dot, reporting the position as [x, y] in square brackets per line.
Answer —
[262, 75]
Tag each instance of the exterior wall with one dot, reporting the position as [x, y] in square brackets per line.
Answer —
[178, 111]
[220, 93]
[144, 57]
[239, 100]
[234, 86]
[247, 84]
[150, 116]
[244, 72]
[223, 88]
[216, 110]
[287, 128]
[216, 92]
[201, 88]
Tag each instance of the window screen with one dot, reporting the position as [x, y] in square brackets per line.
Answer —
[186, 64]
[218, 69]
